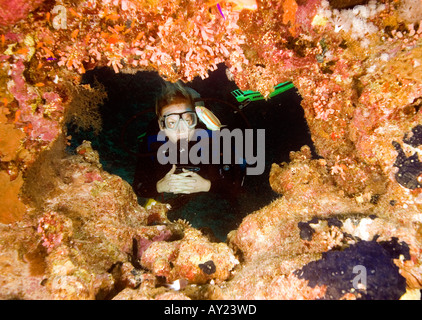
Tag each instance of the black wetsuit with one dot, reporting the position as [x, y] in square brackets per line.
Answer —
[226, 179]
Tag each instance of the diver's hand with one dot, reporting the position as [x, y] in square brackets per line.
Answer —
[198, 183]
[163, 184]
[185, 182]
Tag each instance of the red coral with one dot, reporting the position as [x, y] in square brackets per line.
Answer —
[305, 13]
[51, 229]
[143, 243]
[11, 11]
[92, 176]
[37, 126]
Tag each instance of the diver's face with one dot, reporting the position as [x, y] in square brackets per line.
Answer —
[182, 131]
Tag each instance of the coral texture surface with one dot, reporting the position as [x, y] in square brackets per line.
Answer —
[71, 230]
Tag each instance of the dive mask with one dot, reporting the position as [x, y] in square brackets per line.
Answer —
[171, 121]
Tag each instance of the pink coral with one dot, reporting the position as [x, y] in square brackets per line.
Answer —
[11, 11]
[52, 228]
[92, 176]
[35, 123]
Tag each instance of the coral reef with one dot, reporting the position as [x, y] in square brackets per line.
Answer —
[336, 271]
[15, 10]
[92, 232]
[70, 230]
[316, 221]
[192, 258]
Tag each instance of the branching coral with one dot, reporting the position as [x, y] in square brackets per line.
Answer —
[108, 33]
[356, 20]
[83, 110]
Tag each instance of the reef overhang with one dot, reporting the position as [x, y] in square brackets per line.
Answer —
[358, 69]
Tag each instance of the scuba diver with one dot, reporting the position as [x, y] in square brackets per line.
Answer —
[179, 183]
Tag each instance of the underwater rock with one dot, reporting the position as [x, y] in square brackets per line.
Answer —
[327, 221]
[306, 231]
[410, 168]
[393, 254]
[84, 227]
[23, 269]
[415, 138]
[365, 270]
[269, 278]
[189, 258]
[130, 294]
[358, 71]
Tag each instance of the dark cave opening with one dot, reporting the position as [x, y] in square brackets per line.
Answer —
[281, 116]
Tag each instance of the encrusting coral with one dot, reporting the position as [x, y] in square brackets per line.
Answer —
[91, 223]
[314, 217]
[71, 230]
